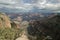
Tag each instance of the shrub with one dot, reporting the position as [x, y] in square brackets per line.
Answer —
[9, 33]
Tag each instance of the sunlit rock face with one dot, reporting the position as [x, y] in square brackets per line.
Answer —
[4, 21]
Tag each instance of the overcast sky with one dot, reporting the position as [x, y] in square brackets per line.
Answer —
[28, 5]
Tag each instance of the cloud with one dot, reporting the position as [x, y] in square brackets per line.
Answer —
[15, 4]
[7, 2]
[27, 5]
[53, 5]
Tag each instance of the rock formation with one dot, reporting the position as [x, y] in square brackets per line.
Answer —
[4, 21]
[48, 29]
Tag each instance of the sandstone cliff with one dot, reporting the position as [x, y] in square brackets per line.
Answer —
[4, 21]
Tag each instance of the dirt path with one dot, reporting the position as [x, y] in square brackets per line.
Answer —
[24, 33]
[23, 37]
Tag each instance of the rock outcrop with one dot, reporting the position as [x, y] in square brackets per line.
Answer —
[4, 21]
[47, 29]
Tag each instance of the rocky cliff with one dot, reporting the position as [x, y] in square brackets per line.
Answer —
[48, 29]
[4, 21]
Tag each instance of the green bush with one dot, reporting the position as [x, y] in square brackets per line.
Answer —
[9, 33]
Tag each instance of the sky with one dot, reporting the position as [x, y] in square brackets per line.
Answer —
[30, 5]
